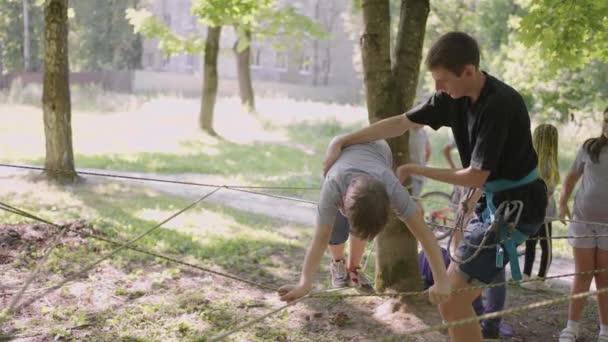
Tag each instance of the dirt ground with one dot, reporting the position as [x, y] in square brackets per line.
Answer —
[107, 304]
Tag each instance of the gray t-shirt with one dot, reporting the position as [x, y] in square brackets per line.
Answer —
[592, 195]
[373, 159]
[417, 141]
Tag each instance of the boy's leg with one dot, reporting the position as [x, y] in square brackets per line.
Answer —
[337, 267]
[337, 252]
[357, 277]
[495, 301]
[459, 307]
[357, 249]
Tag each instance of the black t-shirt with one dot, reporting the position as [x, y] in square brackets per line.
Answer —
[492, 134]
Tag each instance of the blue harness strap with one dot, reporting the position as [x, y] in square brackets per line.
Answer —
[517, 237]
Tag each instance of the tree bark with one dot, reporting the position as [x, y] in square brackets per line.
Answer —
[244, 73]
[210, 79]
[59, 161]
[389, 92]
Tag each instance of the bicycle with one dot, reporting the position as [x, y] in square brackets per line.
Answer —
[439, 212]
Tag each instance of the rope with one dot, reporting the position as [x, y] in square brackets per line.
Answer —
[243, 188]
[466, 289]
[109, 255]
[159, 180]
[505, 312]
[40, 262]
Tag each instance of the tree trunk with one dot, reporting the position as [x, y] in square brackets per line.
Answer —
[59, 161]
[27, 59]
[210, 79]
[244, 73]
[388, 89]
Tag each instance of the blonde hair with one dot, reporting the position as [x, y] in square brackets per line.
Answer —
[545, 143]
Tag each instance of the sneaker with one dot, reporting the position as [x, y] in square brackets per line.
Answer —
[602, 338]
[360, 282]
[339, 274]
[567, 335]
[490, 331]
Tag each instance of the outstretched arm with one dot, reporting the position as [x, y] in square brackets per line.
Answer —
[441, 290]
[469, 177]
[312, 260]
[383, 129]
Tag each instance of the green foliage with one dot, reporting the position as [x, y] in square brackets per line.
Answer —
[230, 12]
[144, 22]
[569, 33]
[101, 37]
[264, 19]
[553, 87]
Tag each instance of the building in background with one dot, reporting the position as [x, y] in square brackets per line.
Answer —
[329, 63]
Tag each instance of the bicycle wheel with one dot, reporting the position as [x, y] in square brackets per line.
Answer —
[439, 213]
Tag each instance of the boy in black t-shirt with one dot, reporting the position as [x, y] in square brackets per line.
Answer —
[491, 128]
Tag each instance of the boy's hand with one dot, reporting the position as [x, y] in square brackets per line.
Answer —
[331, 155]
[290, 293]
[440, 292]
[406, 170]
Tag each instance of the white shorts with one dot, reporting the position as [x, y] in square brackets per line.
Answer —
[584, 229]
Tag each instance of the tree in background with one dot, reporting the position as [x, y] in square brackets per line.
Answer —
[249, 17]
[390, 85]
[59, 161]
[21, 32]
[101, 38]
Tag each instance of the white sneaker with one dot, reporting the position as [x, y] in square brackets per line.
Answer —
[339, 274]
[534, 284]
[568, 335]
[359, 281]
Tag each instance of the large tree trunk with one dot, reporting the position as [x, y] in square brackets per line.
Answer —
[59, 162]
[210, 79]
[244, 73]
[388, 89]
[27, 59]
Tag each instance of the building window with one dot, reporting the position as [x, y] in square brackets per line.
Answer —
[255, 57]
[305, 64]
[280, 61]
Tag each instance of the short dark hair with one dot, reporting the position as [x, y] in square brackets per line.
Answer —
[366, 206]
[453, 51]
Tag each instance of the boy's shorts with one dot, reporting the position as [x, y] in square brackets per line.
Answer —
[341, 230]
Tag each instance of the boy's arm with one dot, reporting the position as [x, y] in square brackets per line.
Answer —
[469, 177]
[383, 129]
[312, 260]
[441, 290]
